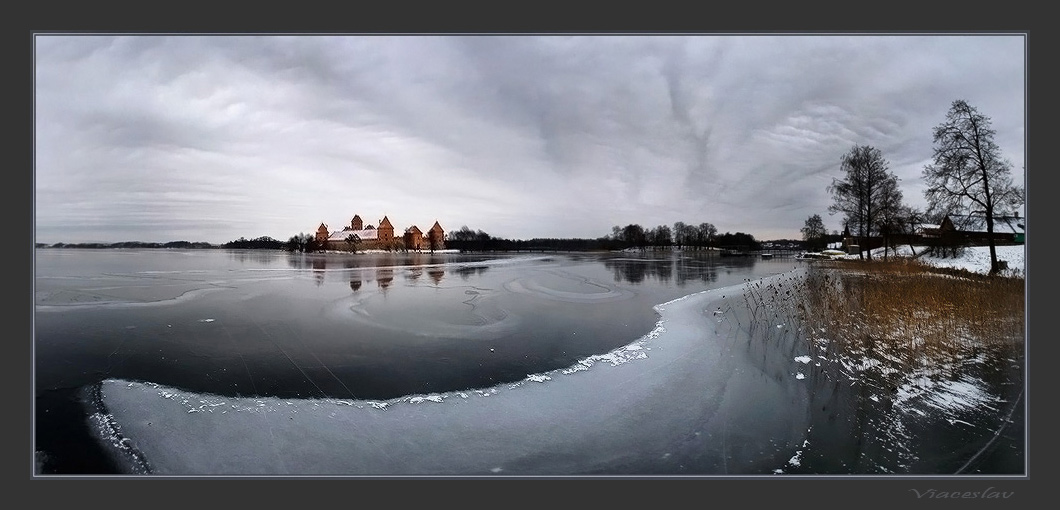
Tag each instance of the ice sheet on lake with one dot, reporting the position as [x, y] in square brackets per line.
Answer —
[583, 290]
[152, 288]
[676, 400]
[483, 319]
[65, 300]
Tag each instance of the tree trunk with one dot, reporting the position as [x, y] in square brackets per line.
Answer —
[994, 267]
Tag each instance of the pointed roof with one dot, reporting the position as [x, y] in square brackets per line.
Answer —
[385, 223]
[414, 230]
[322, 227]
[436, 227]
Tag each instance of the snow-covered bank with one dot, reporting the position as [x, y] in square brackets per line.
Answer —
[975, 259]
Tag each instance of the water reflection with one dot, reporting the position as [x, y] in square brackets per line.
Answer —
[380, 267]
[260, 257]
[436, 274]
[318, 270]
[466, 271]
[368, 260]
[384, 276]
[681, 269]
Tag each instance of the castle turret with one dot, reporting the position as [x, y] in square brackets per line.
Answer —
[436, 237]
[414, 239]
[386, 230]
[356, 223]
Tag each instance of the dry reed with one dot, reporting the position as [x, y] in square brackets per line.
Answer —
[910, 316]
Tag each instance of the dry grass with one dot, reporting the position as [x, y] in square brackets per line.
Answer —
[910, 314]
[900, 316]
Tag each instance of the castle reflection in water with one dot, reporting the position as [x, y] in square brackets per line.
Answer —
[381, 270]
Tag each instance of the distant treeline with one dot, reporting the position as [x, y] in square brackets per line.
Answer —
[265, 242]
[130, 244]
[260, 243]
[703, 236]
[488, 243]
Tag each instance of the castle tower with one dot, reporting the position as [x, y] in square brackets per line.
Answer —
[322, 233]
[414, 238]
[436, 237]
[356, 224]
[386, 230]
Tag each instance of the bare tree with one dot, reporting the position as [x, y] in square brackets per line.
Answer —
[889, 220]
[969, 174]
[706, 233]
[813, 231]
[634, 235]
[862, 195]
[910, 220]
[680, 234]
[684, 234]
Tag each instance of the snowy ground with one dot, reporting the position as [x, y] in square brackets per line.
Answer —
[975, 258]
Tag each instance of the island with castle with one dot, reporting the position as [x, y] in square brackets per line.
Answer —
[358, 236]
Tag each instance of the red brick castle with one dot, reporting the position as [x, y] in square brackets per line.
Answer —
[380, 237]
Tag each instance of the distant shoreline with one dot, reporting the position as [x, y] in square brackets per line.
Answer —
[131, 244]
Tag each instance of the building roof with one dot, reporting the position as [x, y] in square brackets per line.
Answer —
[436, 227]
[977, 223]
[341, 235]
[927, 228]
[385, 223]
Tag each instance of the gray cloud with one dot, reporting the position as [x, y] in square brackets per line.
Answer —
[211, 138]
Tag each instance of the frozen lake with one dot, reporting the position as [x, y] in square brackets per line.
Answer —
[219, 362]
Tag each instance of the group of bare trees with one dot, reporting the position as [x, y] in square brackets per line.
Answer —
[868, 195]
[968, 175]
[682, 235]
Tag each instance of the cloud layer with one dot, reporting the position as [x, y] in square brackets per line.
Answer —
[212, 138]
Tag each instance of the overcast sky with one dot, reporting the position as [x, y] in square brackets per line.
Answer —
[212, 138]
